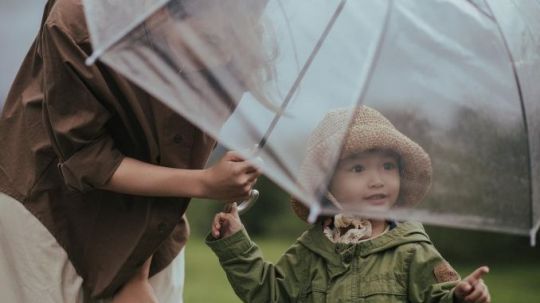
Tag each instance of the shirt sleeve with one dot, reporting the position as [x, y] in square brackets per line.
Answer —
[255, 280]
[75, 112]
[431, 278]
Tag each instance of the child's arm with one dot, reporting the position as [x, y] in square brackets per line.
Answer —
[253, 279]
[473, 289]
[432, 279]
[138, 288]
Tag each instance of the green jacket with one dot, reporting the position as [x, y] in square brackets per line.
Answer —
[401, 265]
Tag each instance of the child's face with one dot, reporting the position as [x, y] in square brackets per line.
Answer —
[368, 180]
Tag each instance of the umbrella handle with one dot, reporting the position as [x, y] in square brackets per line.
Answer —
[245, 205]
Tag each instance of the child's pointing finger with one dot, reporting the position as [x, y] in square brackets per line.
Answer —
[472, 289]
[477, 275]
[234, 211]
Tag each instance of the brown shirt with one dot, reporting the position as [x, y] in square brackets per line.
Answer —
[64, 130]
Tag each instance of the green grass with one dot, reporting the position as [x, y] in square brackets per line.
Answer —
[206, 281]
[508, 281]
[518, 283]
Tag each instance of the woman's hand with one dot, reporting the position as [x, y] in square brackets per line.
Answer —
[226, 224]
[138, 288]
[231, 179]
[472, 289]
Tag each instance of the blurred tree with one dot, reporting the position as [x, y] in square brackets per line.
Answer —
[478, 161]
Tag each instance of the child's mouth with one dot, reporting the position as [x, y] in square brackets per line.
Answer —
[376, 199]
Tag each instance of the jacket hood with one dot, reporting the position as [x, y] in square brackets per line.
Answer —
[338, 256]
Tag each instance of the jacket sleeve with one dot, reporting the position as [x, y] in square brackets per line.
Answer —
[75, 114]
[252, 278]
[431, 278]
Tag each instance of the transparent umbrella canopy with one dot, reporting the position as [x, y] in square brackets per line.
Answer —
[458, 77]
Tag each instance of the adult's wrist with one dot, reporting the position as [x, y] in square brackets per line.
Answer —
[201, 188]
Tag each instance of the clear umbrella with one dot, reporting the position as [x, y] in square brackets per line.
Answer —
[456, 76]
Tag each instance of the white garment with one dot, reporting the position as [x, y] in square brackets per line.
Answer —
[34, 268]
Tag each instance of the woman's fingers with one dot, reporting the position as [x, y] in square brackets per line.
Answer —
[252, 178]
[242, 181]
[146, 267]
[232, 178]
[247, 168]
[241, 198]
[233, 156]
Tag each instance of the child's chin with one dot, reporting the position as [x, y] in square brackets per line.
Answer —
[367, 207]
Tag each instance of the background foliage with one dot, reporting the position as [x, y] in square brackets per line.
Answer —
[490, 171]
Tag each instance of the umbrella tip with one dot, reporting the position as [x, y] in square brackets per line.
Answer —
[314, 212]
[90, 61]
[93, 58]
[533, 232]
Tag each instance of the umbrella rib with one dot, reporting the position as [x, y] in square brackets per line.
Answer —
[481, 11]
[533, 232]
[151, 66]
[100, 51]
[374, 60]
[300, 77]
[281, 165]
[521, 101]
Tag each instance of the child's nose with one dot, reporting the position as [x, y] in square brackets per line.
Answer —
[375, 180]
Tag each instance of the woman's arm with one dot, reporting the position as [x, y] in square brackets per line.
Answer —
[230, 179]
[76, 121]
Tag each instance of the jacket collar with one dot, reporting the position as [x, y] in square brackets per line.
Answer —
[340, 256]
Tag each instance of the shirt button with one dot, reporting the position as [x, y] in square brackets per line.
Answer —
[347, 258]
[178, 139]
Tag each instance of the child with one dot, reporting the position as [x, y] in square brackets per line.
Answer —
[349, 258]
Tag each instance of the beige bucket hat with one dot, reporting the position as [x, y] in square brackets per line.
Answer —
[368, 130]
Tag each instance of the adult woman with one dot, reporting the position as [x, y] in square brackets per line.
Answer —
[94, 173]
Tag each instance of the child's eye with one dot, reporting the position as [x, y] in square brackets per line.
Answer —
[389, 165]
[357, 168]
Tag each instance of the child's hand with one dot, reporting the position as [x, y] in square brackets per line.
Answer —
[226, 224]
[472, 289]
[138, 288]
